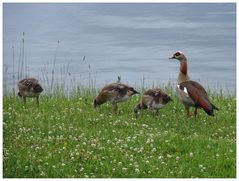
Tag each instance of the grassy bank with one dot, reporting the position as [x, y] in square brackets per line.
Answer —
[67, 138]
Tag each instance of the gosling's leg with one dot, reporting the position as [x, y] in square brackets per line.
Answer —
[137, 110]
[115, 108]
[37, 98]
[24, 100]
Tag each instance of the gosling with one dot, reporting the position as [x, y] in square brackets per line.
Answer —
[114, 93]
[153, 99]
[29, 87]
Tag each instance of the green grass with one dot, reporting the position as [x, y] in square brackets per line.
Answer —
[67, 138]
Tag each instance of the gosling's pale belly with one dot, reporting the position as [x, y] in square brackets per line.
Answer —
[30, 94]
[123, 98]
[155, 105]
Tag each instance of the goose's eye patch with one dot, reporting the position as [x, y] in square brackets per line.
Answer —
[177, 54]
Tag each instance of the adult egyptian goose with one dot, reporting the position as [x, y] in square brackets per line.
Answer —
[191, 93]
[29, 87]
[114, 93]
[152, 99]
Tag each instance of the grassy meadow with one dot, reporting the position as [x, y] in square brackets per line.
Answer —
[67, 138]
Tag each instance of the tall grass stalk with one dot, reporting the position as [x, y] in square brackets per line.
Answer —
[19, 64]
[13, 70]
[53, 68]
[5, 70]
[22, 58]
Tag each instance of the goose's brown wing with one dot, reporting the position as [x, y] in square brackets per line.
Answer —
[198, 94]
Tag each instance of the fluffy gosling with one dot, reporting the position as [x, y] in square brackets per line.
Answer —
[154, 99]
[114, 93]
[29, 87]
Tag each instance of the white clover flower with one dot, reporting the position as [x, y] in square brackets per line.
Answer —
[136, 170]
[200, 166]
[42, 173]
[153, 150]
[124, 169]
[169, 156]
[93, 144]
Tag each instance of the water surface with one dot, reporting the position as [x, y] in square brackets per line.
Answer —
[103, 41]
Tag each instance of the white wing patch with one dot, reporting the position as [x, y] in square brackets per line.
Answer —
[184, 89]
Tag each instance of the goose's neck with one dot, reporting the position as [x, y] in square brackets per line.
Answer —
[183, 74]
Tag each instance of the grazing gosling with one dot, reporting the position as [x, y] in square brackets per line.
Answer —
[29, 87]
[114, 93]
[154, 99]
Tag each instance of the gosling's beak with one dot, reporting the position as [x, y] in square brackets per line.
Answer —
[170, 99]
[136, 92]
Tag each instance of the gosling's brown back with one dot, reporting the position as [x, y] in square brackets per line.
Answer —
[29, 87]
[114, 92]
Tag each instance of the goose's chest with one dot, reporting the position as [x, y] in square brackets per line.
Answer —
[184, 96]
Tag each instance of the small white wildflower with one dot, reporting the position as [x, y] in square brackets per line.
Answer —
[124, 169]
[42, 173]
[136, 170]
[169, 156]
[153, 150]
[93, 144]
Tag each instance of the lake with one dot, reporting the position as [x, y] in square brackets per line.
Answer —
[94, 43]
